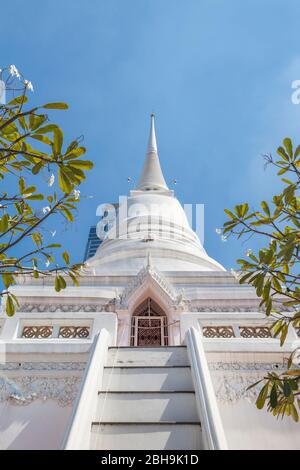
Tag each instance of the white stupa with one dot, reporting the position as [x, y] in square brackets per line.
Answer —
[152, 215]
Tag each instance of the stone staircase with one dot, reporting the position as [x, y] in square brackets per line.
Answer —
[147, 401]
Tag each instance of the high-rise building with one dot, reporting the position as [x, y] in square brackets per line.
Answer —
[92, 244]
[155, 349]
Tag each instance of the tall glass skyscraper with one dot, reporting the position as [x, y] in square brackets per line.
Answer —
[92, 243]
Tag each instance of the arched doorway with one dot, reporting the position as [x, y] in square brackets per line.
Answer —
[149, 325]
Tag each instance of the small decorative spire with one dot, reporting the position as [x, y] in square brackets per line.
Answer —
[149, 260]
[152, 178]
[152, 145]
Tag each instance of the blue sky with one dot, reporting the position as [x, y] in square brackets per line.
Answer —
[217, 73]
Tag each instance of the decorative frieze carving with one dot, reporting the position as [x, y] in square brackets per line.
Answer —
[231, 380]
[248, 366]
[23, 390]
[73, 332]
[228, 308]
[255, 332]
[37, 332]
[113, 303]
[40, 308]
[232, 388]
[218, 332]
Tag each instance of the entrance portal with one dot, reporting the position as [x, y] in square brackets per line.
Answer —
[149, 325]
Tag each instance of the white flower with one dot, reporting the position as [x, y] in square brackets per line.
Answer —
[234, 273]
[224, 238]
[47, 263]
[46, 209]
[51, 180]
[218, 231]
[76, 193]
[53, 233]
[14, 71]
[28, 85]
[249, 252]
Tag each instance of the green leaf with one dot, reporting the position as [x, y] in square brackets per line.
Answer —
[8, 280]
[36, 121]
[284, 333]
[289, 146]
[35, 197]
[57, 284]
[21, 185]
[58, 140]
[294, 413]
[68, 214]
[273, 396]
[66, 257]
[41, 138]
[29, 190]
[82, 164]
[64, 181]
[55, 106]
[297, 151]
[62, 282]
[75, 153]
[36, 168]
[4, 220]
[10, 307]
[286, 388]
[48, 128]
[74, 279]
[283, 153]
[18, 100]
[265, 207]
[261, 399]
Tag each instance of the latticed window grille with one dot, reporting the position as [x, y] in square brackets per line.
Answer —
[74, 332]
[37, 331]
[149, 325]
[218, 332]
[255, 332]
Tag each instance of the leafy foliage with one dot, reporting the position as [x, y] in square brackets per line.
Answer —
[274, 271]
[31, 145]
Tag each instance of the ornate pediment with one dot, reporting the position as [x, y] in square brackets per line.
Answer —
[149, 274]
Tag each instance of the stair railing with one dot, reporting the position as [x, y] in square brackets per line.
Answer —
[211, 424]
[78, 434]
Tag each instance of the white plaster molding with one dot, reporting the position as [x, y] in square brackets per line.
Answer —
[42, 366]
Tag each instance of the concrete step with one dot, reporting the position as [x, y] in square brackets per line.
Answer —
[147, 378]
[162, 356]
[146, 436]
[147, 406]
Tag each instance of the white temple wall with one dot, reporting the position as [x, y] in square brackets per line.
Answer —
[246, 427]
[39, 425]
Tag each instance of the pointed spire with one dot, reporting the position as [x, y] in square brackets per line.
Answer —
[152, 177]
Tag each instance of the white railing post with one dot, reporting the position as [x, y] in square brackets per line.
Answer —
[211, 423]
[78, 434]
